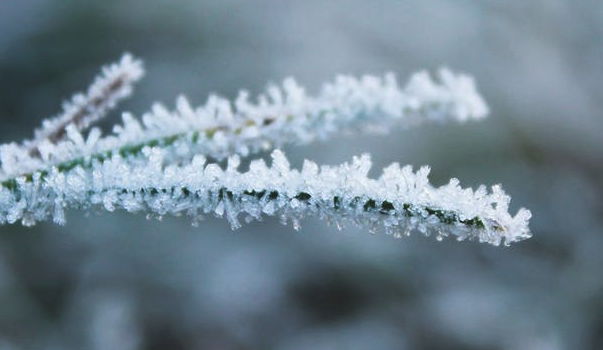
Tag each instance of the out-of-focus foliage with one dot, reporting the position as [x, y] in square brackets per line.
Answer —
[121, 282]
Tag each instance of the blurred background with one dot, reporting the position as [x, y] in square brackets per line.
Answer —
[118, 281]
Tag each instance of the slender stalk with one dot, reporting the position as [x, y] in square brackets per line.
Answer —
[113, 84]
[283, 116]
[399, 202]
[158, 164]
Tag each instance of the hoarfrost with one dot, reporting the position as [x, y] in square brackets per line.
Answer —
[399, 201]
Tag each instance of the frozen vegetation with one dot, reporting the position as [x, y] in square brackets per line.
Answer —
[166, 162]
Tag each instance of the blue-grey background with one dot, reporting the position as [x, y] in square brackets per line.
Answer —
[118, 281]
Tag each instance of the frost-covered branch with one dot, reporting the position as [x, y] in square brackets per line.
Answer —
[162, 163]
[283, 115]
[114, 84]
[398, 202]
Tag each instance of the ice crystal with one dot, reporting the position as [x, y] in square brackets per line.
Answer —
[282, 115]
[399, 201]
[164, 163]
[82, 110]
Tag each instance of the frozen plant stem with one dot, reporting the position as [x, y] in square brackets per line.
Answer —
[114, 84]
[399, 201]
[159, 165]
[284, 115]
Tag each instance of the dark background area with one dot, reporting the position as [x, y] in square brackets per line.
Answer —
[118, 281]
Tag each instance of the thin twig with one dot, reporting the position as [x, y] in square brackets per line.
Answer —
[110, 87]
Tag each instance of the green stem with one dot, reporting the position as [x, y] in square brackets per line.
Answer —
[447, 217]
[125, 151]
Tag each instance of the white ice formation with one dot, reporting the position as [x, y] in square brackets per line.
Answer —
[283, 115]
[398, 202]
[115, 83]
[164, 163]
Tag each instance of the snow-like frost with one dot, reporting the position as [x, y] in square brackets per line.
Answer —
[113, 84]
[161, 163]
[59, 138]
[283, 115]
[398, 202]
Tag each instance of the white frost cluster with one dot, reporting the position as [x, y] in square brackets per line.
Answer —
[57, 139]
[165, 162]
[83, 109]
[281, 116]
[398, 202]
